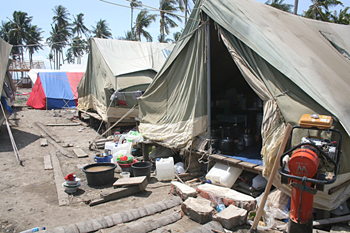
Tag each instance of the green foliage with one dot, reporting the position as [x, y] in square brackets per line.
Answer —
[143, 20]
[280, 5]
[101, 30]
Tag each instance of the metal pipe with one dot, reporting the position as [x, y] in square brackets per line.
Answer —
[208, 80]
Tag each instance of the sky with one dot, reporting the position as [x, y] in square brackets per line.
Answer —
[118, 18]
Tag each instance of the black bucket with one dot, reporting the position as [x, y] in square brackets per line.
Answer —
[99, 178]
[142, 169]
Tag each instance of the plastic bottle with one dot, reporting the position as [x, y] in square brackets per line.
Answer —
[36, 229]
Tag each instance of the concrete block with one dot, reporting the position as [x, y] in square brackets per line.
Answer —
[227, 195]
[182, 190]
[198, 209]
[231, 216]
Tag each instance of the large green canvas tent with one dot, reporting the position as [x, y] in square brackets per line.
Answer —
[7, 88]
[118, 65]
[294, 64]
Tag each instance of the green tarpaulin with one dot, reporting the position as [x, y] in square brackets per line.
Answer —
[294, 64]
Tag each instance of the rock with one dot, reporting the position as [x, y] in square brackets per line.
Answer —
[198, 209]
[227, 195]
[231, 216]
[182, 190]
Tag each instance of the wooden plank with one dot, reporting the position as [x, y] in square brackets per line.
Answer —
[60, 148]
[247, 164]
[232, 160]
[217, 157]
[259, 168]
[43, 128]
[59, 180]
[43, 142]
[115, 194]
[140, 181]
[80, 153]
[47, 162]
[68, 124]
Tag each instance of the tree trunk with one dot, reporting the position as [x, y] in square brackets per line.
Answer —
[185, 12]
[132, 12]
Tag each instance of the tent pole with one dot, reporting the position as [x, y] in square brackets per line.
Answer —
[208, 80]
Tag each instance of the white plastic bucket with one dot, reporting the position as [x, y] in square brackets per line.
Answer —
[223, 175]
[165, 169]
[125, 146]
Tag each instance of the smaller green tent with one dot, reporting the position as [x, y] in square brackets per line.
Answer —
[119, 65]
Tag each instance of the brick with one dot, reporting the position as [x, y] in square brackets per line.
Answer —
[231, 216]
[228, 196]
[198, 209]
[182, 190]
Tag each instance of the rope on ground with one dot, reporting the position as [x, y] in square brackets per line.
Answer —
[99, 136]
[13, 143]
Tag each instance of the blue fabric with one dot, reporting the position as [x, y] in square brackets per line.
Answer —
[4, 103]
[57, 90]
[59, 103]
[56, 85]
[249, 154]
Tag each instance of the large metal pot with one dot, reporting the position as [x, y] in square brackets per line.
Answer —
[227, 146]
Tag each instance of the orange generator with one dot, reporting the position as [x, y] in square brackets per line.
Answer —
[308, 166]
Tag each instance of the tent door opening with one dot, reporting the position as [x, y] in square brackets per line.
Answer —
[236, 110]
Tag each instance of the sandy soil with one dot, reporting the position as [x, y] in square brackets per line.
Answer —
[28, 193]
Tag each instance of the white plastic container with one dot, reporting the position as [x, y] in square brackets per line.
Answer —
[110, 146]
[223, 175]
[125, 146]
[165, 169]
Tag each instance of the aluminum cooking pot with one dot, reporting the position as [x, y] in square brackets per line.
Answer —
[248, 138]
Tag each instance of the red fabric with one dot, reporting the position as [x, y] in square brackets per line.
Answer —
[37, 98]
[74, 79]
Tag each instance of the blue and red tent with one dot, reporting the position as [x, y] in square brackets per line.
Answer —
[55, 90]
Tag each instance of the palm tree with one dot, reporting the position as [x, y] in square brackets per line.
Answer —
[129, 35]
[4, 30]
[78, 48]
[51, 59]
[133, 4]
[167, 9]
[343, 17]
[184, 6]
[320, 9]
[62, 25]
[143, 20]
[102, 30]
[280, 5]
[69, 56]
[79, 27]
[61, 17]
[177, 36]
[18, 33]
[33, 41]
[57, 41]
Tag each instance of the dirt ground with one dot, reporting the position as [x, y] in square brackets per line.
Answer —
[28, 193]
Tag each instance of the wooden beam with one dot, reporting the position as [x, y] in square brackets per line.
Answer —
[59, 179]
[47, 132]
[80, 153]
[47, 162]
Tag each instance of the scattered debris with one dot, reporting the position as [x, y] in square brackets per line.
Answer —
[231, 216]
[130, 185]
[68, 124]
[118, 218]
[47, 162]
[43, 142]
[198, 209]
[80, 153]
[182, 190]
